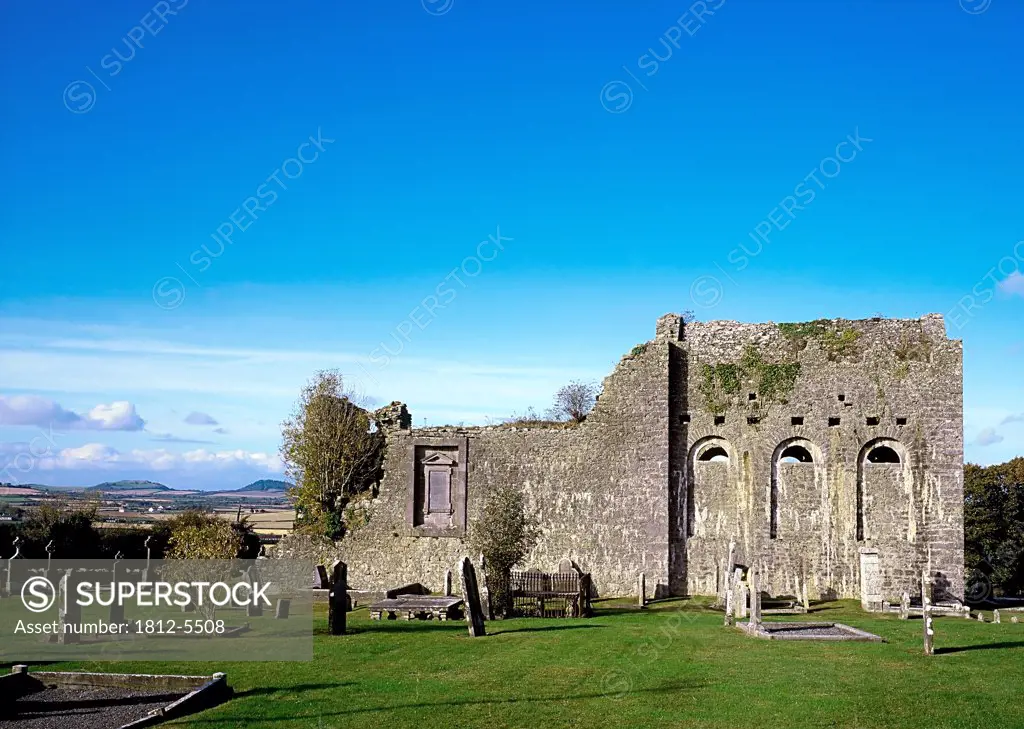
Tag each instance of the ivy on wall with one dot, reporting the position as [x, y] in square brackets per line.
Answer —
[837, 343]
[773, 381]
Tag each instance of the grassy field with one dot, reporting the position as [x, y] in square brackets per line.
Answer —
[671, 665]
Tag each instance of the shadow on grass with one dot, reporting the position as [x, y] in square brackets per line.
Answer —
[572, 626]
[667, 688]
[981, 647]
[269, 690]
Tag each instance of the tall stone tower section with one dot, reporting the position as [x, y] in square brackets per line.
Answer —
[825, 454]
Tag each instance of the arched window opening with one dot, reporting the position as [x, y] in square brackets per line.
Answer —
[714, 454]
[796, 454]
[883, 454]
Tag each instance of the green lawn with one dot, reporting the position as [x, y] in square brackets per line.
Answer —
[671, 665]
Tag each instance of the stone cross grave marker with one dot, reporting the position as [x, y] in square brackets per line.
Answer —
[471, 597]
[338, 599]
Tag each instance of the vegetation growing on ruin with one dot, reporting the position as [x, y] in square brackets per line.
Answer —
[916, 348]
[837, 343]
[773, 381]
[638, 350]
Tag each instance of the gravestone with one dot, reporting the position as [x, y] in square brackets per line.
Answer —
[981, 618]
[69, 612]
[995, 617]
[929, 628]
[740, 598]
[149, 553]
[641, 589]
[905, 606]
[806, 601]
[338, 601]
[12, 580]
[320, 580]
[485, 592]
[755, 602]
[284, 605]
[730, 602]
[471, 598]
[566, 566]
[447, 583]
[255, 607]
[1014, 619]
[116, 606]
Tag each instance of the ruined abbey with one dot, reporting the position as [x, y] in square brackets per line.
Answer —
[827, 454]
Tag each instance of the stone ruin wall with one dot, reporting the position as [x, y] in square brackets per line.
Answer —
[912, 512]
[620, 493]
[598, 488]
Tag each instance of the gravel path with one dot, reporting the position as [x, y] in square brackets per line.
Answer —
[102, 708]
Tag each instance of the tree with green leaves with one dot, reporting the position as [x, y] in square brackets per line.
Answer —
[333, 451]
[504, 535]
[994, 528]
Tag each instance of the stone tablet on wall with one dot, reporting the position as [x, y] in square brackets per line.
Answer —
[437, 488]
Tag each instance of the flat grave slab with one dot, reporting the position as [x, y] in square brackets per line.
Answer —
[412, 607]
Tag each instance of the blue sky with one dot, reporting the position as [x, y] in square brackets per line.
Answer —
[512, 191]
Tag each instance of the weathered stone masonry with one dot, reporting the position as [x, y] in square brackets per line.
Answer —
[819, 451]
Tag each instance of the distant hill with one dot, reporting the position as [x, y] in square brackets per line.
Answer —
[266, 484]
[130, 485]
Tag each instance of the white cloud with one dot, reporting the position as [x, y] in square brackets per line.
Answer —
[197, 418]
[1013, 284]
[99, 456]
[42, 412]
[1019, 418]
[988, 437]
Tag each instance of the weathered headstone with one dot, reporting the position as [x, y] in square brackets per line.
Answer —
[448, 583]
[981, 617]
[12, 580]
[69, 612]
[485, 592]
[730, 602]
[805, 600]
[741, 594]
[566, 566]
[149, 552]
[1014, 619]
[255, 607]
[755, 601]
[995, 617]
[929, 628]
[338, 600]
[471, 598]
[641, 589]
[905, 606]
[284, 605]
[116, 606]
[320, 579]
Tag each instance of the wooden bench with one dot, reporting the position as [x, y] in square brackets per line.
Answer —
[551, 595]
[416, 607]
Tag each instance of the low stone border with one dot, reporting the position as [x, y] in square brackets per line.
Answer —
[203, 692]
[805, 631]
